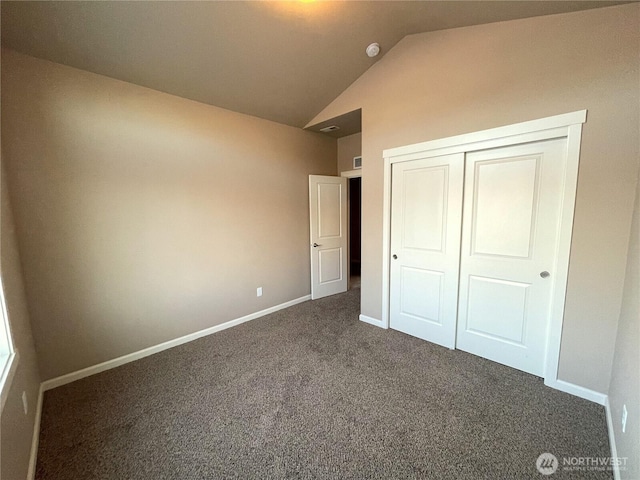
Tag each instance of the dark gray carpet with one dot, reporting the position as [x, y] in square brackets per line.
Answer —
[311, 392]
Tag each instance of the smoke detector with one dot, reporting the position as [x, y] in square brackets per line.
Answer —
[330, 128]
[373, 49]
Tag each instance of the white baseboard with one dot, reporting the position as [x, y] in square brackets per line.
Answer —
[578, 391]
[372, 321]
[35, 439]
[116, 362]
[612, 439]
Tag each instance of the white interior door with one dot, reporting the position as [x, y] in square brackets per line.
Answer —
[328, 227]
[426, 216]
[512, 202]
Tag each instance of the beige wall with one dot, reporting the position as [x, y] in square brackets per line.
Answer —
[625, 383]
[17, 428]
[444, 83]
[348, 147]
[142, 216]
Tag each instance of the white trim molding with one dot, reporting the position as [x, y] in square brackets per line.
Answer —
[372, 321]
[577, 390]
[35, 438]
[116, 362]
[467, 142]
[612, 439]
[351, 173]
[554, 331]
[569, 126]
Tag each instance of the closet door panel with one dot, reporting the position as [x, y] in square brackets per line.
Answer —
[426, 208]
[512, 202]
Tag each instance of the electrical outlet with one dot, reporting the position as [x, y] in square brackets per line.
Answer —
[259, 292]
[624, 418]
[24, 403]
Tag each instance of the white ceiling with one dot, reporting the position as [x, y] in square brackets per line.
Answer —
[282, 61]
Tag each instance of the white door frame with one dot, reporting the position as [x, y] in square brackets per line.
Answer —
[351, 173]
[569, 126]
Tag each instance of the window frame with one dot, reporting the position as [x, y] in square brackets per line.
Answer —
[8, 353]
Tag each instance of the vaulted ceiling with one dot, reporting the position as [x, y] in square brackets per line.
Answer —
[282, 61]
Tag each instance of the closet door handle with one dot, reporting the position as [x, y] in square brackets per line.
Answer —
[544, 274]
[316, 245]
[395, 257]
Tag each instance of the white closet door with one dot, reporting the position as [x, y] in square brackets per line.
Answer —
[512, 205]
[426, 216]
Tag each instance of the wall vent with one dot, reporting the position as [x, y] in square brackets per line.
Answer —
[330, 128]
[357, 162]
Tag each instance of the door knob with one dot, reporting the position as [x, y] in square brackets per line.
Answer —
[395, 257]
[544, 274]
[316, 245]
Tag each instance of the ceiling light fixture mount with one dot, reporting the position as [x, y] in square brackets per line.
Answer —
[373, 49]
